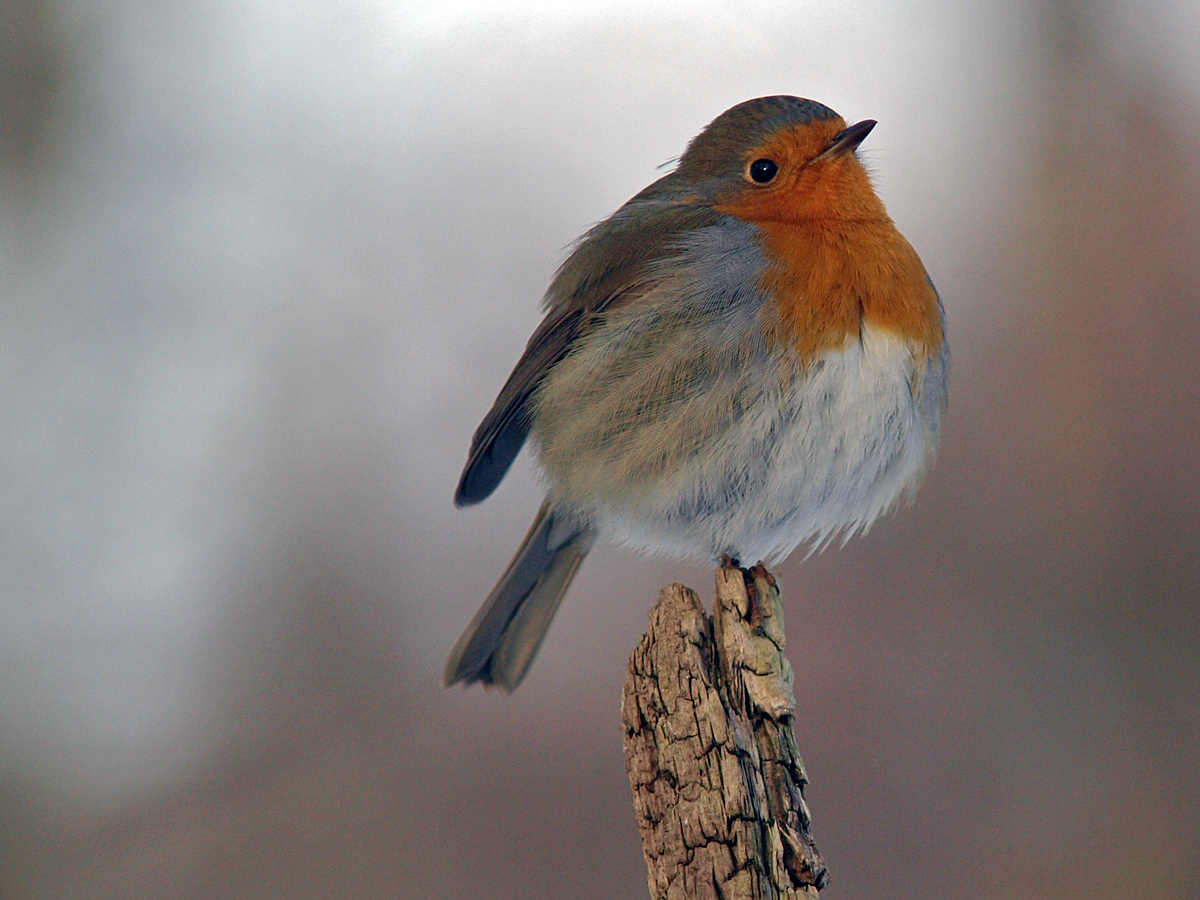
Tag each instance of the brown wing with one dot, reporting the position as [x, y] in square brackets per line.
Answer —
[503, 430]
[613, 264]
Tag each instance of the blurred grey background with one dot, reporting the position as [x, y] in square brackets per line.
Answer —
[265, 265]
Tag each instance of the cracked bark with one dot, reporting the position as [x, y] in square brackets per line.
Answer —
[718, 784]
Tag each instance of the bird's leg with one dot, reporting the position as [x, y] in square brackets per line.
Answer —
[758, 582]
[751, 578]
[755, 614]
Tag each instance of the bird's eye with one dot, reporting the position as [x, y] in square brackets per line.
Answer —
[763, 170]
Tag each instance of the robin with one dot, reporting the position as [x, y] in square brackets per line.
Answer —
[746, 356]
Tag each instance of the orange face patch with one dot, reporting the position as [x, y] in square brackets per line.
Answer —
[808, 185]
[837, 259]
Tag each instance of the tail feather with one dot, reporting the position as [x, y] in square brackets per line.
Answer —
[501, 641]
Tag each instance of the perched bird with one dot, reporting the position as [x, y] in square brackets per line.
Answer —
[746, 356]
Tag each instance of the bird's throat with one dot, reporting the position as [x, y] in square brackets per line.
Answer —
[830, 277]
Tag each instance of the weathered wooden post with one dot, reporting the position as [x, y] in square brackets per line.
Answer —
[718, 784]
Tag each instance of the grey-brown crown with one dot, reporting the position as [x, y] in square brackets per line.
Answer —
[716, 152]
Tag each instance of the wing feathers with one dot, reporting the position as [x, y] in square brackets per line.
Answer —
[613, 264]
[503, 430]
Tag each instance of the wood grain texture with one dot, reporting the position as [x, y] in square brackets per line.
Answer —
[718, 783]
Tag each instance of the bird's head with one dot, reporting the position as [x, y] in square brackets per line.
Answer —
[781, 159]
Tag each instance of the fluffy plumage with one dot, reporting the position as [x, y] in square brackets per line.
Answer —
[726, 367]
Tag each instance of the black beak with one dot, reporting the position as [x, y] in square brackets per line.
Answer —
[847, 140]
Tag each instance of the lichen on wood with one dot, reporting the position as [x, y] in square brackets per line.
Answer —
[718, 783]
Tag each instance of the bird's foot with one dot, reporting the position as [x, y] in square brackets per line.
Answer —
[756, 578]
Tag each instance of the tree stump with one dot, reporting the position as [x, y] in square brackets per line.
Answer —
[718, 784]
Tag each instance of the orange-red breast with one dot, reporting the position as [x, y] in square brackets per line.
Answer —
[746, 356]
